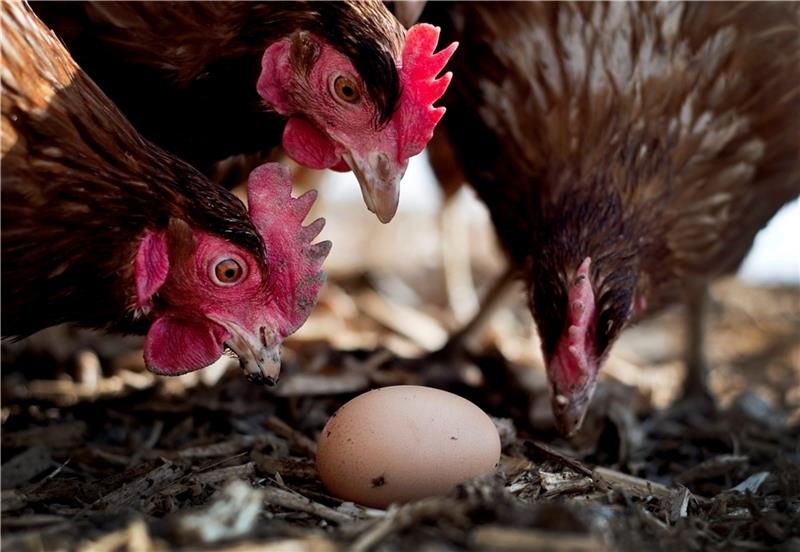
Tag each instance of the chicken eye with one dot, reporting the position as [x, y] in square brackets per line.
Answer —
[346, 89]
[228, 271]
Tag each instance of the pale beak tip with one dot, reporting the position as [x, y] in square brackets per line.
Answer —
[386, 213]
[569, 414]
[380, 180]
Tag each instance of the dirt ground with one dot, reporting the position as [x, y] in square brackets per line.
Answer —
[99, 454]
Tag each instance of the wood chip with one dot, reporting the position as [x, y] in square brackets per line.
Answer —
[299, 468]
[32, 520]
[513, 466]
[296, 439]
[564, 482]
[233, 513]
[224, 474]
[308, 385]
[131, 493]
[630, 484]
[12, 500]
[379, 531]
[496, 537]
[713, 467]
[752, 484]
[25, 466]
[310, 544]
[134, 538]
[229, 447]
[679, 504]
[295, 501]
[552, 453]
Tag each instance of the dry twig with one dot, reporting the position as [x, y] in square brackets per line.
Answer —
[496, 537]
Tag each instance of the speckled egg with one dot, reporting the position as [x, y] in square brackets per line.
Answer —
[403, 443]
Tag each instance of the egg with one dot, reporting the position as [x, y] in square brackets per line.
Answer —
[403, 443]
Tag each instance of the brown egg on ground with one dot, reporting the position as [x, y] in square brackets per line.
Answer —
[403, 443]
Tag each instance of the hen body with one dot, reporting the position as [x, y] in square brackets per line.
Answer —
[654, 140]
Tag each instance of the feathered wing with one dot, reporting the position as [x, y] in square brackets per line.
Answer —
[739, 132]
[52, 178]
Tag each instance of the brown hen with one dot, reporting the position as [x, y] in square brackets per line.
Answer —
[103, 229]
[628, 153]
[340, 84]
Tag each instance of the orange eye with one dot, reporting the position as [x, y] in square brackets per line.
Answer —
[228, 271]
[346, 89]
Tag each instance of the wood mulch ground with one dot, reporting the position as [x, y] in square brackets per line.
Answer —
[100, 455]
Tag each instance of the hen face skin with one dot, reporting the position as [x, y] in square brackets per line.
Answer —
[334, 123]
[590, 314]
[205, 294]
[204, 305]
[572, 369]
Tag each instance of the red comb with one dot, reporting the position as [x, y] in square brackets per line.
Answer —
[416, 115]
[295, 279]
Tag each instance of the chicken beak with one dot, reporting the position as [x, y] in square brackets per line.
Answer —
[259, 356]
[570, 406]
[569, 412]
[379, 179]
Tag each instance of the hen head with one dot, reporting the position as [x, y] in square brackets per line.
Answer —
[333, 121]
[204, 294]
[584, 282]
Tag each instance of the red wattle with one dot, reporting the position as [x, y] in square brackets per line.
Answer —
[175, 346]
[308, 146]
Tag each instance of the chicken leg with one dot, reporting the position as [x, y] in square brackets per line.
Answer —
[464, 303]
[494, 299]
[441, 368]
[695, 385]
